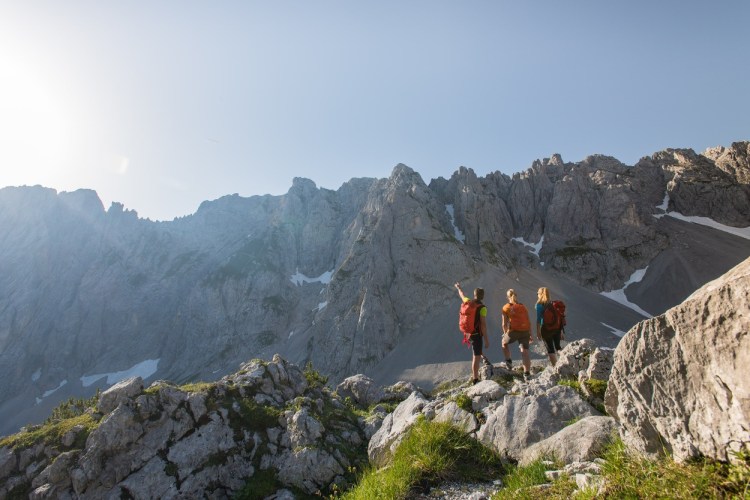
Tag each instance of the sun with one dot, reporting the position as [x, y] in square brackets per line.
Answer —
[34, 132]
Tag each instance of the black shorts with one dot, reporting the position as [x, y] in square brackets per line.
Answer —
[476, 343]
[552, 339]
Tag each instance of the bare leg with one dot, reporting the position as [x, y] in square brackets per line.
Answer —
[506, 351]
[552, 359]
[526, 360]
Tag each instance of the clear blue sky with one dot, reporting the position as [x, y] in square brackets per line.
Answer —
[163, 104]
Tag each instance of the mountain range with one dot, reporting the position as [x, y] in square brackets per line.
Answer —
[356, 280]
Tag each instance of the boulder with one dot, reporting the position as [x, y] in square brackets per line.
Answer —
[582, 441]
[679, 380]
[125, 389]
[524, 419]
[450, 413]
[485, 392]
[362, 390]
[385, 441]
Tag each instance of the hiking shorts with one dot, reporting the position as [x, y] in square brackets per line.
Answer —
[476, 343]
[552, 340]
[522, 338]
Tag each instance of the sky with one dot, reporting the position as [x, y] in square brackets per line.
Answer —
[161, 105]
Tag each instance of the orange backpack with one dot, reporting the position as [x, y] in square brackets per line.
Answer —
[519, 317]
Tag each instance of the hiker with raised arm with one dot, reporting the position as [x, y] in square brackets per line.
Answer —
[473, 323]
[516, 328]
[550, 322]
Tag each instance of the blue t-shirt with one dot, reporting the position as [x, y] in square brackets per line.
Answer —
[540, 313]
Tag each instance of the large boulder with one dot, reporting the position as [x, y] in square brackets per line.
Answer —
[582, 441]
[394, 428]
[679, 380]
[524, 419]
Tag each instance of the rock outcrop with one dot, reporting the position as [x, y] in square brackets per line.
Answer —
[679, 380]
[264, 425]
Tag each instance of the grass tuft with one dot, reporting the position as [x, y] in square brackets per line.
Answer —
[430, 453]
[52, 433]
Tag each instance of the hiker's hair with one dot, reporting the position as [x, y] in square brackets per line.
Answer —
[479, 293]
[542, 295]
[512, 295]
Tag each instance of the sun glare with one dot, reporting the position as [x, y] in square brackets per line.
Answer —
[34, 132]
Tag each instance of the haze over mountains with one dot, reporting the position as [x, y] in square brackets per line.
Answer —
[353, 280]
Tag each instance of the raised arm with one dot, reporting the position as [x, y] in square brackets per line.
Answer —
[460, 292]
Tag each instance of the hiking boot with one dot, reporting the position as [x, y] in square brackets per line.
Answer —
[474, 381]
[508, 365]
[526, 376]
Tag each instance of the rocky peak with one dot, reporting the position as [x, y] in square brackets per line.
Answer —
[83, 200]
[303, 188]
[734, 160]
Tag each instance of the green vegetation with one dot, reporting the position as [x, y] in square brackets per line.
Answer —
[596, 387]
[571, 383]
[198, 387]
[446, 386]
[62, 419]
[430, 453]
[464, 402]
[52, 433]
[627, 475]
[314, 378]
[572, 421]
[73, 407]
[520, 483]
[261, 485]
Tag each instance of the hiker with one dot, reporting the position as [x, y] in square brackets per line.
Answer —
[479, 328]
[516, 328]
[550, 329]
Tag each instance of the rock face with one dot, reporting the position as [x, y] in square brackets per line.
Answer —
[679, 380]
[207, 440]
[338, 278]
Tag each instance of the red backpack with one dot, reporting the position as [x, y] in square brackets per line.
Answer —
[468, 317]
[553, 317]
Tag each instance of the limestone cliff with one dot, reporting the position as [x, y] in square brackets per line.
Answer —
[339, 278]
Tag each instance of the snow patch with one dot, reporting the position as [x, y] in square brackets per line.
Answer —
[535, 247]
[619, 295]
[36, 375]
[51, 391]
[456, 232]
[300, 278]
[290, 334]
[614, 330]
[663, 207]
[742, 232]
[322, 305]
[144, 369]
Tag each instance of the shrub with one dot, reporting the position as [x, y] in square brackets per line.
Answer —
[314, 378]
[464, 402]
[596, 387]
